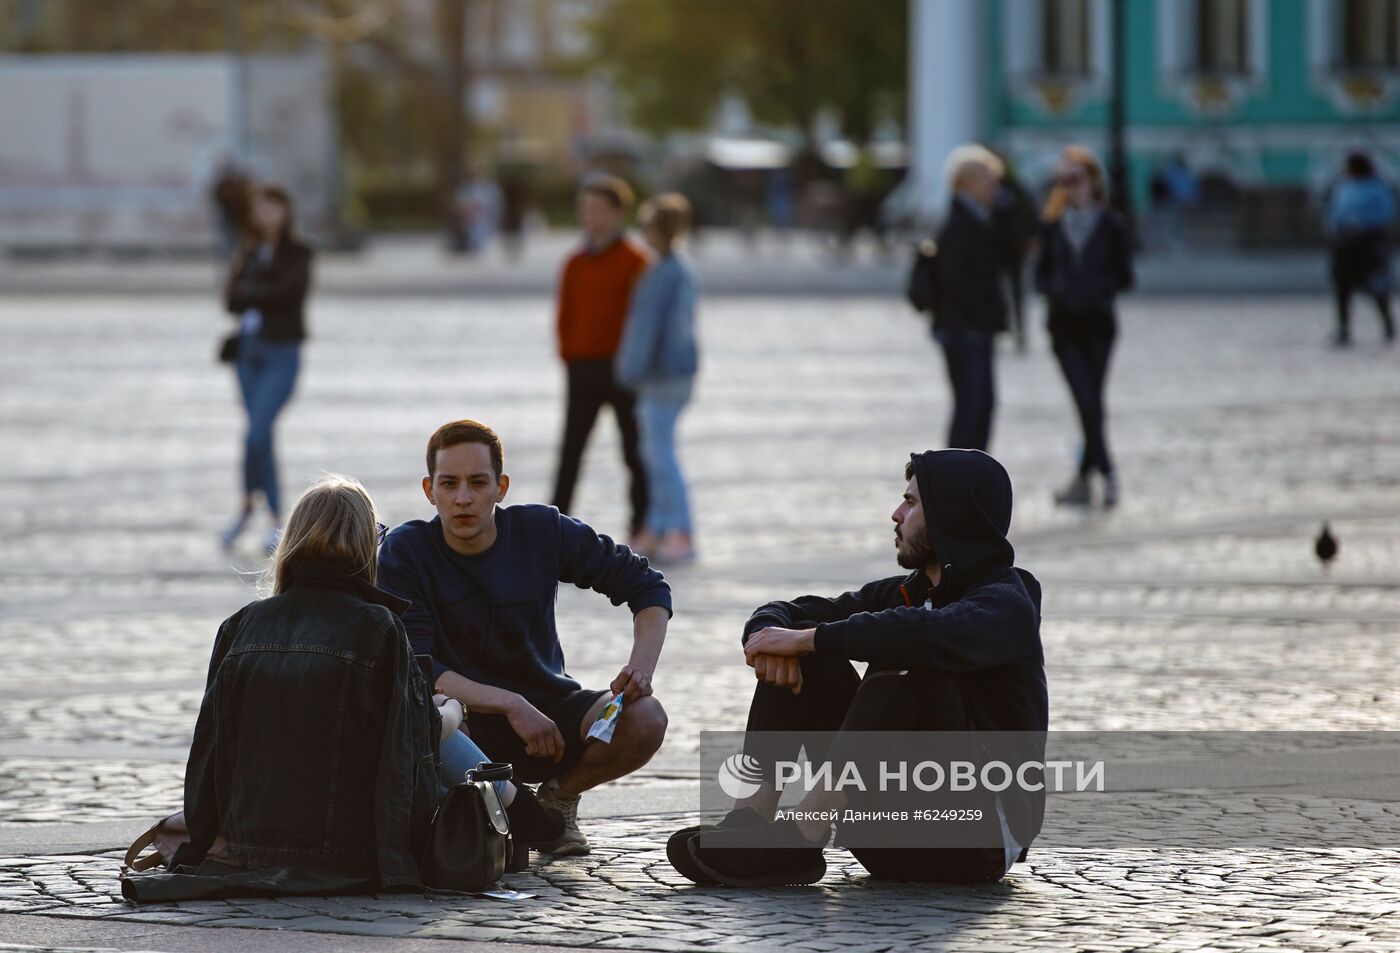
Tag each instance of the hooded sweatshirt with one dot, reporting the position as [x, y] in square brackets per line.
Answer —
[981, 623]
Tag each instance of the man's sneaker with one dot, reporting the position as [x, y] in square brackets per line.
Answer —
[677, 848]
[1110, 491]
[572, 843]
[773, 855]
[1076, 494]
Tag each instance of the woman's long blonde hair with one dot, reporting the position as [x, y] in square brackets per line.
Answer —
[333, 524]
[1057, 202]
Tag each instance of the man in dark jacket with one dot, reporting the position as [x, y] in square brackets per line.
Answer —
[482, 580]
[971, 309]
[954, 646]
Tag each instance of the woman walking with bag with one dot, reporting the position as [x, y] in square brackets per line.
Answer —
[266, 293]
[1085, 262]
[658, 359]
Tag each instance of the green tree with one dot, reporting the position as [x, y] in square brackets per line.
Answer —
[790, 60]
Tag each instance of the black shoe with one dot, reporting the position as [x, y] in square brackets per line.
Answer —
[530, 822]
[770, 856]
[679, 856]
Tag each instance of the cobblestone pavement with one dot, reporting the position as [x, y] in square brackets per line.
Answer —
[1197, 604]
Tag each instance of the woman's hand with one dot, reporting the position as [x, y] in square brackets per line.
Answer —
[453, 713]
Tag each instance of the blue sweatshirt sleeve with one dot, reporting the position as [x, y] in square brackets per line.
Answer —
[398, 575]
[807, 611]
[991, 626]
[591, 561]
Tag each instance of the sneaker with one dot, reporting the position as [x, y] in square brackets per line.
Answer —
[1110, 491]
[571, 843]
[1076, 494]
[270, 540]
[773, 855]
[235, 529]
[677, 849]
[532, 823]
[675, 549]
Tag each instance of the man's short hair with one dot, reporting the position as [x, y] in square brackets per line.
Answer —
[909, 469]
[962, 160]
[617, 192]
[466, 431]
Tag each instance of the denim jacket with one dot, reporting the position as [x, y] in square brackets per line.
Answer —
[658, 340]
[315, 748]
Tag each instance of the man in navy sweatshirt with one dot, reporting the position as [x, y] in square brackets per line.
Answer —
[482, 579]
[954, 646]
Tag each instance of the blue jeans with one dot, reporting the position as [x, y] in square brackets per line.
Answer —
[267, 375]
[969, 357]
[459, 755]
[659, 405]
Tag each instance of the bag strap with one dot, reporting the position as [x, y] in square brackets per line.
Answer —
[130, 862]
[491, 771]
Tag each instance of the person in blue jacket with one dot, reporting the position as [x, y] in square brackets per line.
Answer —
[1361, 215]
[953, 646]
[658, 359]
[482, 580]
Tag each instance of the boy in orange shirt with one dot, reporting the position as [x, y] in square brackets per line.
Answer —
[594, 293]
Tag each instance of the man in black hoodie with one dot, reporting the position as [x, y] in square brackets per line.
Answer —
[954, 646]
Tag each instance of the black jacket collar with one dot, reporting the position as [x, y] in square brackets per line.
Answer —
[317, 575]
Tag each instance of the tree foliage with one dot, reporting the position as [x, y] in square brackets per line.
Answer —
[790, 60]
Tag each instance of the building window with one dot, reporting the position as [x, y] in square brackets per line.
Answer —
[1370, 35]
[1065, 39]
[1221, 29]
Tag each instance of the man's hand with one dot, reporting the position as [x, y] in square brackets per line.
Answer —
[633, 681]
[776, 641]
[785, 671]
[541, 736]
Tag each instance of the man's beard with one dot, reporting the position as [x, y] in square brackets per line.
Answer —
[915, 552]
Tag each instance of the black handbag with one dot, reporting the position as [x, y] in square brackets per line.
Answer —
[470, 846]
[228, 350]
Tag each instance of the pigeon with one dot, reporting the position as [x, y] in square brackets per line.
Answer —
[1326, 546]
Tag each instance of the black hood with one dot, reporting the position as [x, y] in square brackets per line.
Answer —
[966, 497]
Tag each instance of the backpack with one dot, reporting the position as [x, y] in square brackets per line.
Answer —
[923, 288]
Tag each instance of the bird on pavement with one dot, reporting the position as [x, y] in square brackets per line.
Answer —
[1325, 546]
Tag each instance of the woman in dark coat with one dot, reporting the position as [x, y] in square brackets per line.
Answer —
[266, 293]
[1085, 262]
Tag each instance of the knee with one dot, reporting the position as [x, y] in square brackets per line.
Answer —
[646, 725]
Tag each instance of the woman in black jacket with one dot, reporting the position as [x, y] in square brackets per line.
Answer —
[1085, 262]
[266, 292]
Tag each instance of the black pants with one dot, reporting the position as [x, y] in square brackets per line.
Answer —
[1084, 362]
[969, 357]
[1361, 264]
[591, 385]
[833, 698]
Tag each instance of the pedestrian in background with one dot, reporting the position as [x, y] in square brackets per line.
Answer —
[266, 292]
[971, 307]
[1361, 215]
[1085, 262]
[1014, 218]
[594, 295]
[658, 358]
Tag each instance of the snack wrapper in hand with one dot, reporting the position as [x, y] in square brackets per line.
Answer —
[606, 722]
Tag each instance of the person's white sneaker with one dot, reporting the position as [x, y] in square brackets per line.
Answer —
[573, 842]
[235, 529]
[270, 542]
